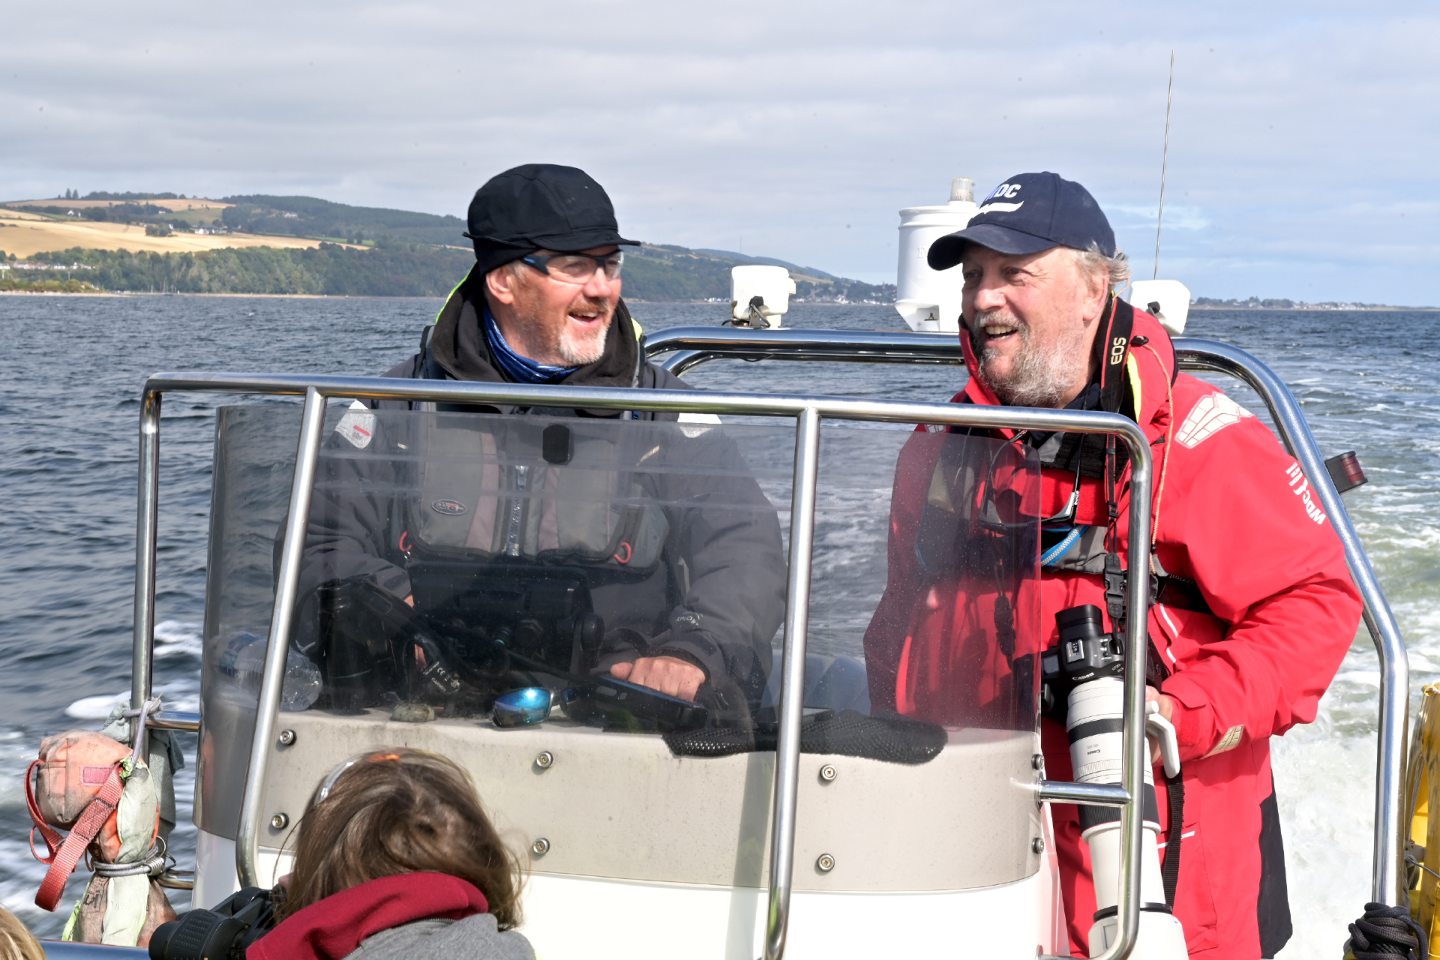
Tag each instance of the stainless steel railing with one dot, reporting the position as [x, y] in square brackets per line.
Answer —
[807, 412]
[1387, 878]
[690, 346]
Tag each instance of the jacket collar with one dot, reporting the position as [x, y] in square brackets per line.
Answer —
[1149, 371]
[458, 350]
[1151, 362]
[334, 927]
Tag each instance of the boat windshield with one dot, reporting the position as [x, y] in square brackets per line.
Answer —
[492, 586]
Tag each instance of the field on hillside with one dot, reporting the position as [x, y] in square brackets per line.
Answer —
[193, 203]
[26, 234]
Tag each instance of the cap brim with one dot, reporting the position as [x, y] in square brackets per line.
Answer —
[560, 243]
[493, 242]
[582, 240]
[950, 250]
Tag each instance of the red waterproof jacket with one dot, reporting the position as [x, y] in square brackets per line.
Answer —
[1232, 512]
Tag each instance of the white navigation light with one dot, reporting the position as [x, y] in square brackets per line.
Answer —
[1167, 300]
[929, 300]
[759, 295]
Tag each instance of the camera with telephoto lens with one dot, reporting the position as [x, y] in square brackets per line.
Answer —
[1084, 688]
[219, 934]
[1085, 652]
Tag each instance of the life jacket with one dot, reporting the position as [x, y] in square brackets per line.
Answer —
[545, 490]
[1087, 545]
[1078, 534]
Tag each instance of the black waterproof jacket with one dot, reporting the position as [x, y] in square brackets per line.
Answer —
[717, 598]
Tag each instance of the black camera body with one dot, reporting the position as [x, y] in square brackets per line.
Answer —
[371, 643]
[1085, 652]
[219, 934]
[473, 630]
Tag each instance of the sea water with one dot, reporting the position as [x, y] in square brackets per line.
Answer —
[1369, 381]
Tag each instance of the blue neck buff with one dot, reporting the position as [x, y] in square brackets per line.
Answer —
[517, 368]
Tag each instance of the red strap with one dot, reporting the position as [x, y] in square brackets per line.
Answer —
[50, 835]
[86, 829]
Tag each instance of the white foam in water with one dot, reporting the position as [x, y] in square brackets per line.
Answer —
[1423, 662]
[17, 749]
[176, 695]
[172, 638]
[97, 707]
[1326, 789]
[1427, 621]
[177, 638]
[1416, 540]
[1363, 677]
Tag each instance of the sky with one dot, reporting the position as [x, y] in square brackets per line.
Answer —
[1303, 159]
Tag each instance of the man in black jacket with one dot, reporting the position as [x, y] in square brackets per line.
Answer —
[542, 305]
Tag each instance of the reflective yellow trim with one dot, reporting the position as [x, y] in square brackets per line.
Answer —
[451, 295]
[1132, 370]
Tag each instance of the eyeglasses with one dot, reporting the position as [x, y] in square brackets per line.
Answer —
[576, 267]
[1012, 509]
[328, 784]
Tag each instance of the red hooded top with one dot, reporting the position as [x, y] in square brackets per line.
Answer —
[334, 927]
[1232, 512]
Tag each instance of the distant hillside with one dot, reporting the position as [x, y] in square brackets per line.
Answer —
[795, 270]
[163, 241]
[35, 228]
[309, 217]
[1281, 303]
[655, 272]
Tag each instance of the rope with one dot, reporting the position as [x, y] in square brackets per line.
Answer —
[148, 707]
[154, 863]
[1386, 931]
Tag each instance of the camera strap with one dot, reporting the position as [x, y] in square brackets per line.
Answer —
[1114, 346]
[1170, 863]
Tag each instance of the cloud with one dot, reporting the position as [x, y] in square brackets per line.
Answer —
[796, 130]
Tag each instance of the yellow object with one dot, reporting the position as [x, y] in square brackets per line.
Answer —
[1422, 791]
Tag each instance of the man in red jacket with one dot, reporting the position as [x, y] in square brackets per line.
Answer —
[1253, 610]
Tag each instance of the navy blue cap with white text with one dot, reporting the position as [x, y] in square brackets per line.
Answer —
[1028, 213]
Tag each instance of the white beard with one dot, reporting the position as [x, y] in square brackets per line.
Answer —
[1038, 377]
[583, 349]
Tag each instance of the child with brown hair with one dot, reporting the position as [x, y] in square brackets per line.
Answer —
[16, 942]
[396, 857]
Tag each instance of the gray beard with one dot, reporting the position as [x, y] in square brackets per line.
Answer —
[578, 354]
[1039, 377]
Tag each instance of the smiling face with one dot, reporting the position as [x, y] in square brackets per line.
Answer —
[1031, 320]
[549, 320]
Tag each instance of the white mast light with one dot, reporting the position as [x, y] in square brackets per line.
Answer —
[929, 300]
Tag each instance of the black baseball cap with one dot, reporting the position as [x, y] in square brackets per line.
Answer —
[1029, 213]
[539, 205]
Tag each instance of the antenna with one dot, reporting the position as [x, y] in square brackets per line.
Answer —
[1164, 157]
